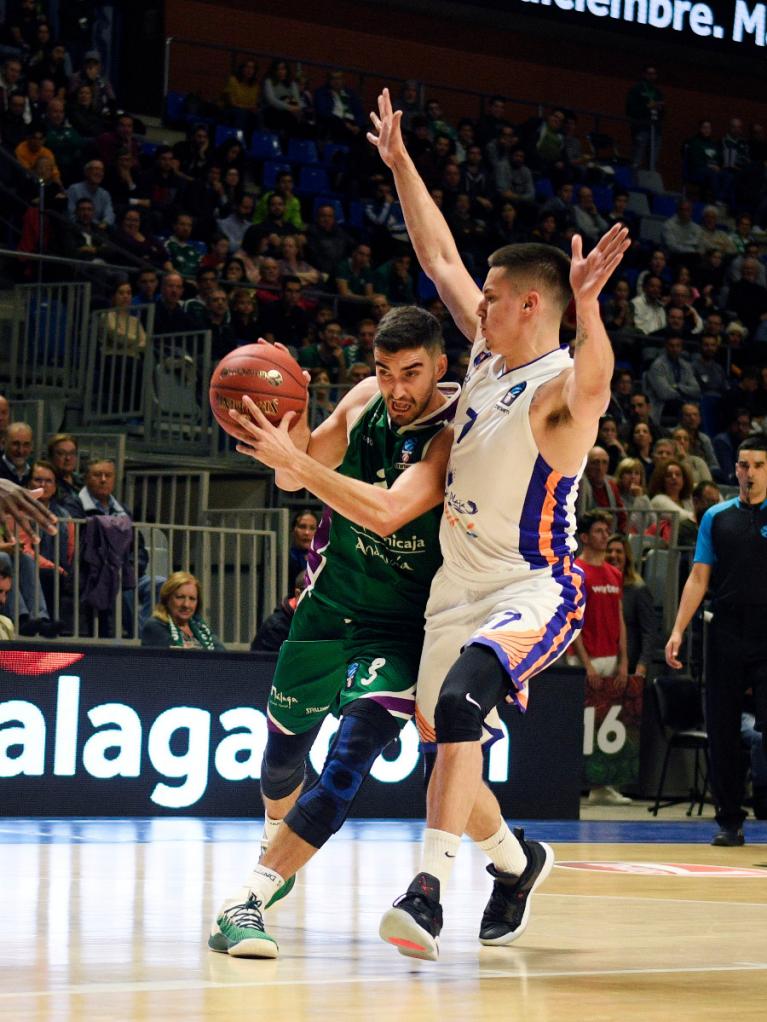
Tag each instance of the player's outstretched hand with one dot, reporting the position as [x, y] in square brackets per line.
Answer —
[271, 445]
[387, 133]
[589, 274]
[21, 505]
[672, 651]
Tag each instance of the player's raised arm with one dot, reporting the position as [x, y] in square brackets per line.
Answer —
[381, 510]
[587, 390]
[434, 245]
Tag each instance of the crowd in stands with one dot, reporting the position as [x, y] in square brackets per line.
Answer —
[110, 554]
[274, 218]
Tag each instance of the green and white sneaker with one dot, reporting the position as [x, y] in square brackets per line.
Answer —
[239, 931]
[286, 888]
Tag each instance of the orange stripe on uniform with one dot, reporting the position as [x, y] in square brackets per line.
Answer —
[574, 615]
[545, 531]
[425, 731]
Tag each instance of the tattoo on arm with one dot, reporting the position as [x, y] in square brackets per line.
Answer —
[581, 334]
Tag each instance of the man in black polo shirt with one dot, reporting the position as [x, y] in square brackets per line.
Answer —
[731, 555]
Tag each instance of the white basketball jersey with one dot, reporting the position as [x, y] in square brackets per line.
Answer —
[507, 513]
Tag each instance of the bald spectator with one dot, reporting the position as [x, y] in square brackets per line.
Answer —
[90, 188]
[597, 489]
[680, 235]
[15, 463]
[169, 315]
[588, 221]
[63, 141]
[649, 311]
[670, 380]
[712, 236]
[680, 298]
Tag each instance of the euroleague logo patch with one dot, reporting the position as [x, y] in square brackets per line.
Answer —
[511, 396]
[665, 869]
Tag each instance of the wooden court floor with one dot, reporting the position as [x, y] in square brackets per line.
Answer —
[107, 920]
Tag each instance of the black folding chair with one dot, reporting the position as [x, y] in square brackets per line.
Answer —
[679, 710]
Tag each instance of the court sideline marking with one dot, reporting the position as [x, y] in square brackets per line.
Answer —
[520, 974]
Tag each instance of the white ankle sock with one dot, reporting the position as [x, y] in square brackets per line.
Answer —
[264, 883]
[270, 829]
[439, 851]
[504, 851]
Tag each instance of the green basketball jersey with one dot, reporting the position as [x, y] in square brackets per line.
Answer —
[365, 575]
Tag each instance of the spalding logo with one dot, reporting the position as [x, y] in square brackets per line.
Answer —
[270, 406]
[272, 376]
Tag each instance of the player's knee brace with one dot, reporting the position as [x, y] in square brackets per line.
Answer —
[473, 686]
[283, 765]
[365, 730]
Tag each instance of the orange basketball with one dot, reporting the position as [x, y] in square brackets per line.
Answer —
[268, 375]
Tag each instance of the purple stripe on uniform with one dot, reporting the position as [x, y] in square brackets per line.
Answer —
[393, 704]
[572, 600]
[560, 525]
[314, 558]
[532, 508]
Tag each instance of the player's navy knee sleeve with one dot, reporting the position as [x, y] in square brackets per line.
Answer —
[365, 730]
[473, 686]
[283, 765]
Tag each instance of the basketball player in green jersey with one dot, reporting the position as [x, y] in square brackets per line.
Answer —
[356, 637]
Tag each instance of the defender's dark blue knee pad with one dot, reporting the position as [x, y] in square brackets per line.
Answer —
[364, 732]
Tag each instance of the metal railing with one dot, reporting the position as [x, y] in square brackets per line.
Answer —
[271, 519]
[176, 411]
[238, 570]
[168, 495]
[186, 70]
[31, 411]
[48, 339]
[116, 365]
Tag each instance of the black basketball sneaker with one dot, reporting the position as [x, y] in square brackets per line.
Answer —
[413, 924]
[507, 912]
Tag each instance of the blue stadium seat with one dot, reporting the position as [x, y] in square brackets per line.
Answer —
[313, 181]
[664, 205]
[544, 189]
[175, 107]
[697, 211]
[302, 150]
[271, 169]
[149, 148]
[199, 246]
[324, 200]
[264, 145]
[624, 175]
[603, 197]
[225, 132]
[356, 214]
[334, 155]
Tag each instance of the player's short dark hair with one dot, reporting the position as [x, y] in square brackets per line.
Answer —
[544, 266]
[409, 326]
[590, 518]
[758, 442]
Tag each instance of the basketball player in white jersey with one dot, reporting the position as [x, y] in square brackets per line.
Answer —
[508, 600]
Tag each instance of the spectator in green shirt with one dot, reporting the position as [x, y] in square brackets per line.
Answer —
[394, 280]
[327, 354]
[354, 276]
[184, 256]
[292, 212]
